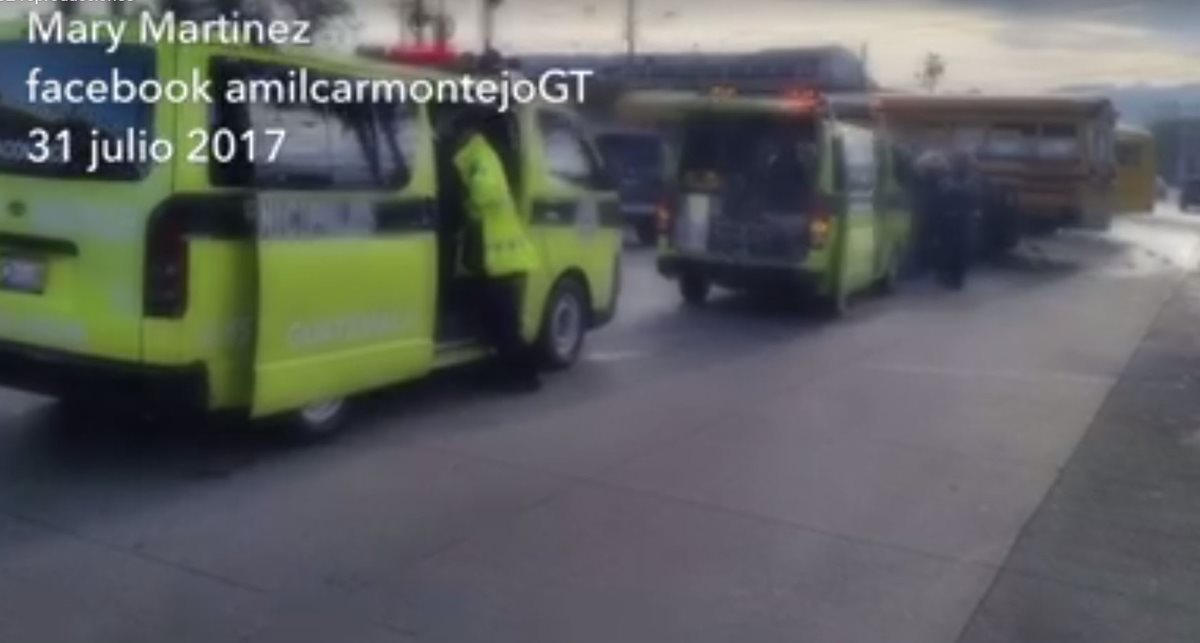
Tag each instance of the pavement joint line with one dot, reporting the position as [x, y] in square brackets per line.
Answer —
[574, 482]
[1007, 460]
[793, 525]
[285, 600]
[715, 425]
[594, 479]
[955, 372]
[133, 554]
[1178, 285]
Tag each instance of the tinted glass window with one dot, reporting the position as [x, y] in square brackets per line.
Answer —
[1058, 142]
[860, 151]
[567, 152]
[731, 145]
[356, 146]
[1010, 142]
[632, 153]
[18, 116]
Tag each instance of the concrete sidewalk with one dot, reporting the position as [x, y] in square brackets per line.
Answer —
[1113, 553]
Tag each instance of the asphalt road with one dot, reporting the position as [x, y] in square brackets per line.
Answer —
[728, 474]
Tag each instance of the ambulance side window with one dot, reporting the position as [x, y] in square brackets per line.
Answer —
[342, 146]
[860, 164]
[567, 152]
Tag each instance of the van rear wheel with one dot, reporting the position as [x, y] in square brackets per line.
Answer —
[317, 421]
[564, 325]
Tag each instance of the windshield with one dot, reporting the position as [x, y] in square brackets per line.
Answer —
[19, 116]
[632, 154]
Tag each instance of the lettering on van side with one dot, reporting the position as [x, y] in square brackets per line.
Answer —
[293, 218]
[350, 329]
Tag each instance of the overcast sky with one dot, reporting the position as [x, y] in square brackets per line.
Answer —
[996, 45]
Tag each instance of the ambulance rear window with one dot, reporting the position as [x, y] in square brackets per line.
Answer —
[731, 145]
[21, 115]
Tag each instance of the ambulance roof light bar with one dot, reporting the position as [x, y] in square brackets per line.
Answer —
[805, 99]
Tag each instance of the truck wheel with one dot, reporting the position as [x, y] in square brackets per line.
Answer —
[318, 421]
[564, 325]
[694, 289]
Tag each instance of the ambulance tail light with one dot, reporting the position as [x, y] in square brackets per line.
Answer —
[820, 228]
[166, 270]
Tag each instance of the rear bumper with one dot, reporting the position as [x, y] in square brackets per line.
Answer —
[735, 275]
[60, 374]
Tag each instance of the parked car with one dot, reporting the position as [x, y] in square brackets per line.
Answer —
[638, 161]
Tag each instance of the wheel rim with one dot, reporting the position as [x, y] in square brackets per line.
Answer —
[321, 413]
[566, 326]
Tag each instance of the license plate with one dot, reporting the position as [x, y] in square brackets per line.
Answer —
[22, 274]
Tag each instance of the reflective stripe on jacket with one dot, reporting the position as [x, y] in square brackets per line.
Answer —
[507, 249]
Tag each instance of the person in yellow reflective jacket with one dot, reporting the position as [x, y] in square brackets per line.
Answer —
[496, 251]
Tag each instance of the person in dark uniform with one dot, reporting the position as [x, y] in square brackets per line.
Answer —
[930, 168]
[959, 202]
[947, 203]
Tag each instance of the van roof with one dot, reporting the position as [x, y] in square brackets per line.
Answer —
[668, 105]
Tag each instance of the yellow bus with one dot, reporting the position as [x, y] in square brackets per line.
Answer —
[1056, 152]
[1137, 171]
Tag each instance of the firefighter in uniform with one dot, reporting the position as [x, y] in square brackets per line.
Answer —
[960, 202]
[947, 204]
[496, 251]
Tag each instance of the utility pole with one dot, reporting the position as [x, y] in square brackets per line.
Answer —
[488, 24]
[631, 23]
[864, 55]
[1181, 145]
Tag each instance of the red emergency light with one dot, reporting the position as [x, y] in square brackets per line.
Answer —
[439, 54]
[805, 99]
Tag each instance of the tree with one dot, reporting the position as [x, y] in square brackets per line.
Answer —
[933, 69]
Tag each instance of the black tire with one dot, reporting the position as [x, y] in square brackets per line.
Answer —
[694, 289]
[565, 323]
[317, 422]
[647, 234]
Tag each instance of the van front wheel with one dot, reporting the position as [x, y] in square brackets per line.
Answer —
[564, 325]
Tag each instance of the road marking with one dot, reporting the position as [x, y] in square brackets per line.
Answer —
[1020, 376]
[617, 356]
